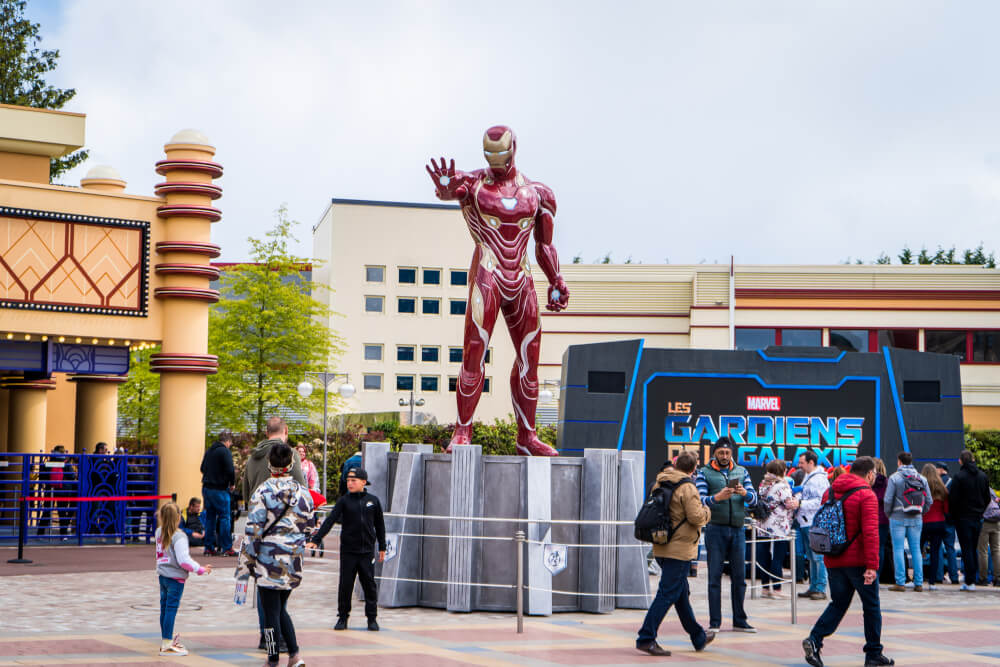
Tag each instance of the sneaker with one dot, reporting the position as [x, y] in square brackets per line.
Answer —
[341, 624]
[970, 587]
[209, 552]
[709, 636]
[175, 648]
[879, 659]
[897, 588]
[744, 628]
[653, 648]
[229, 552]
[805, 594]
[933, 587]
[296, 662]
[817, 595]
[918, 589]
[778, 595]
[372, 625]
[812, 652]
[909, 584]
[713, 628]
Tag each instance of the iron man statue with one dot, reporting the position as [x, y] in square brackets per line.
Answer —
[503, 210]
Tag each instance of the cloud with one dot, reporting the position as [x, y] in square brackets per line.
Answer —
[777, 132]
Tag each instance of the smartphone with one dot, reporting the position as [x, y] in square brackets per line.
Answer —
[733, 483]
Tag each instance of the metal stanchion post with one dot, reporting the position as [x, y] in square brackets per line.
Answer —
[753, 561]
[519, 589]
[795, 576]
[22, 527]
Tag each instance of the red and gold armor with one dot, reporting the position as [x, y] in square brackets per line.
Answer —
[503, 210]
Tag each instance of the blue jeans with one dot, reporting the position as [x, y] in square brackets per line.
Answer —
[171, 591]
[771, 562]
[673, 590]
[907, 530]
[948, 553]
[724, 543]
[817, 568]
[217, 510]
[844, 581]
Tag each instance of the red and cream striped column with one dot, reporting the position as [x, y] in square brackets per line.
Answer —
[183, 266]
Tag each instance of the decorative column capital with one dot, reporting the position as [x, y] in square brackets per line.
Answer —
[113, 379]
[27, 384]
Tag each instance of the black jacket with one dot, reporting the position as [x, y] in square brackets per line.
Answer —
[969, 493]
[360, 515]
[217, 468]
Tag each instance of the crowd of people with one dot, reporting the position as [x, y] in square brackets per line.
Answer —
[282, 488]
[882, 517]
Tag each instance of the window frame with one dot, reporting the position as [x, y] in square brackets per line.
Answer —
[437, 382]
[867, 332]
[430, 299]
[412, 377]
[437, 353]
[364, 351]
[451, 281]
[423, 275]
[453, 302]
[381, 299]
[461, 351]
[399, 277]
[399, 299]
[450, 379]
[411, 347]
[364, 378]
[375, 266]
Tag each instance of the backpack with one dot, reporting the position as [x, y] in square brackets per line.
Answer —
[652, 523]
[992, 513]
[828, 533]
[913, 496]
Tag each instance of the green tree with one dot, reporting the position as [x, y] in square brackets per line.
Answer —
[924, 257]
[22, 69]
[139, 399]
[577, 258]
[267, 330]
[906, 256]
[883, 259]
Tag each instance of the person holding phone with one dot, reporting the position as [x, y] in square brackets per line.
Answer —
[726, 489]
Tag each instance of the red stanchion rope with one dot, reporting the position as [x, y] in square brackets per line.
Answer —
[77, 499]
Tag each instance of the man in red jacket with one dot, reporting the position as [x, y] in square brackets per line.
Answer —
[854, 570]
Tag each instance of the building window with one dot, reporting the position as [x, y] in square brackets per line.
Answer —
[404, 383]
[372, 382]
[407, 276]
[430, 306]
[849, 340]
[428, 383]
[452, 383]
[984, 346]
[489, 355]
[373, 352]
[946, 342]
[802, 337]
[459, 278]
[430, 354]
[405, 304]
[405, 352]
[457, 306]
[455, 355]
[432, 276]
[754, 339]
[904, 338]
[375, 274]
[373, 304]
[486, 385]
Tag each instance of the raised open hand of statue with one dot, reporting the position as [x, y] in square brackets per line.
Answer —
[503, 211]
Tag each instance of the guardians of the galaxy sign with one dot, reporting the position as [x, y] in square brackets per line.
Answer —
[764, 423]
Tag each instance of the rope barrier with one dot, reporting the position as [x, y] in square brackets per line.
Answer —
[580, 593]
[574, 522]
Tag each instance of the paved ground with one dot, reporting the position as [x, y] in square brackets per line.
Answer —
[105, 611]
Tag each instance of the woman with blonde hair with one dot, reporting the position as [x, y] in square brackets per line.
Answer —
[933, 530]
[173, 563]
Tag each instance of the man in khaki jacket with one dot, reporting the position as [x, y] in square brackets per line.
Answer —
[687, 515]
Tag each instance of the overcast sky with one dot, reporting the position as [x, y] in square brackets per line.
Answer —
[778, 132]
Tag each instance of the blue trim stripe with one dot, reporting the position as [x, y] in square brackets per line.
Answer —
[895, 399]
[574, 386]
[765, 385]
[631, 390]
[804, 360]
[937, 430]
[951, 396]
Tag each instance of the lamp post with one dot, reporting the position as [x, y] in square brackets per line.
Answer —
[403, 402]
[346, 390]
[546, 394]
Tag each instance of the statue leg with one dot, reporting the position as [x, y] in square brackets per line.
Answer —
[480, 317]
[521, 315]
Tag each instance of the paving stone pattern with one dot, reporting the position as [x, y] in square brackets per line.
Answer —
[89, 616]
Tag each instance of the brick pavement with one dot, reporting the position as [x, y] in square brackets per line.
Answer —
[96, 617]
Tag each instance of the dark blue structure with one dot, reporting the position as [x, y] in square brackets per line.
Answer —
[56, 476]
[772, 403]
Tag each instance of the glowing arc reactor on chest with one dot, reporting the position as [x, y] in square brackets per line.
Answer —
[509, 202]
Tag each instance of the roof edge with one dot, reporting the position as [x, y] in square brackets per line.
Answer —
[395, 204]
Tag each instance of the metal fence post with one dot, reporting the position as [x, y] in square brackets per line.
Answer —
[795, 576]
[753, 561]
[519, 588]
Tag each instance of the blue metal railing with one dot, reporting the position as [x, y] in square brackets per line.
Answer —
[50, 477]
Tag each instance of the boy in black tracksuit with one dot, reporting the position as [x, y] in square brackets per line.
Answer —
[362, 524]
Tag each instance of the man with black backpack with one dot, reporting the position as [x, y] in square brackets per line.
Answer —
[672, 519]
[907, 499]
[845, 531]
